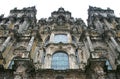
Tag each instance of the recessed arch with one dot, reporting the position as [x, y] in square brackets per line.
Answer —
[60, 61]
[12, 62]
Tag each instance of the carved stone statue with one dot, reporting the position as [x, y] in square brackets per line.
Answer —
[99, 72]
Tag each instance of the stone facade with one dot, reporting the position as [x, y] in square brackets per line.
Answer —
[60, 46]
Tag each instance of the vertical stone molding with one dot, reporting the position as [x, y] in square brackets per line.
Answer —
[30, 43]
[52, 38]
[48, 58]
[4, 45]
[115, 43]
[90, 44]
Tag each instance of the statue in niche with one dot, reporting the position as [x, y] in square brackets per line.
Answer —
[47, 29]
[75, 29]
[99, 72]
[60, 20]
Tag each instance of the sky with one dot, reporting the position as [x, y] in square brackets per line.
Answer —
[78, 8]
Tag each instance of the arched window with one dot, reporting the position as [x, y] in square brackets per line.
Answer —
[60, 38]
[77, 57]
[60, 61]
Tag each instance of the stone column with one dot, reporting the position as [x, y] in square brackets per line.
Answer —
[115, 43]
[90, 44]
[40, 56]
[47, 64]
[38, 59]
[69, 38]
[113, 40]
[30, 43]
[72, 61]
[36, 54]
[79, 55]
[82, 59]
[4, 45]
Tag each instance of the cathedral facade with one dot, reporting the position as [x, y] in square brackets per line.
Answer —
[60, 46]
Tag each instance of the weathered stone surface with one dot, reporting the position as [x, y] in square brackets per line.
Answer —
[29, 48]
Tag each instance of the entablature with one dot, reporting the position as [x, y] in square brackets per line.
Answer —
[60, 45]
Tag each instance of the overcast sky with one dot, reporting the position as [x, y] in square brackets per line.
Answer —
[78, 8]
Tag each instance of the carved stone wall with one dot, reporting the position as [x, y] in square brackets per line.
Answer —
[27, 46]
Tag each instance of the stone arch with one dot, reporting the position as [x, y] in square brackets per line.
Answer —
[12, 61]
[59, 51]
[54, 50]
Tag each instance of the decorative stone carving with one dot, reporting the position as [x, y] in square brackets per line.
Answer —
[30, 43]
[90, 44]
[87, 47]
[99, 72]
[5, 43]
